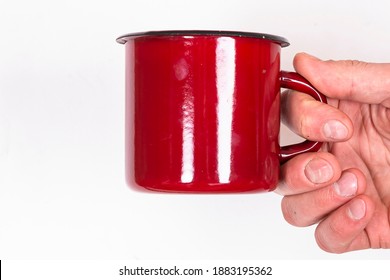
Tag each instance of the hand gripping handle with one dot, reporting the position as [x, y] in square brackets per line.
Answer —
[294, 81]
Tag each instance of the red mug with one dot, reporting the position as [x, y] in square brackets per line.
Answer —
[203, 111]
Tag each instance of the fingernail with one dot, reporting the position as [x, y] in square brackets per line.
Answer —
[347, 185]
[335, 130]
[318, 171]
[357, 209]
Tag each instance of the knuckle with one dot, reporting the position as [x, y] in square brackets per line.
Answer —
[383, 243]
[327, 240]
[323, 243]
[354, 67]
[324, 199]
[302, 127]
[290, 213]
[308, 115]
[354, 62]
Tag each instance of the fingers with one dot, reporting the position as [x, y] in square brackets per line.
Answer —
[347, 79]
[344, 230]
[314, 120]
[317, 191]
[308, 172]
[309, 208]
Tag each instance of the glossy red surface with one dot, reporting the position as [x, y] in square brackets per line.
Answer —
[203, 113]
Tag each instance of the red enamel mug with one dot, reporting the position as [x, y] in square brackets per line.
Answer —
[203, 111]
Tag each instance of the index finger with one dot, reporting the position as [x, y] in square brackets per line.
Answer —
[347, 79]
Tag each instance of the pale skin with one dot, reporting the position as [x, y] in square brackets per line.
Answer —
[345, 187]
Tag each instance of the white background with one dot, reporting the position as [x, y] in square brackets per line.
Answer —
[62, 187]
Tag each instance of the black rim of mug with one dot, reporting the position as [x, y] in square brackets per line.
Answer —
[277, 39]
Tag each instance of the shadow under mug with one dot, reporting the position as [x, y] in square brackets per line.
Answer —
[203, 111]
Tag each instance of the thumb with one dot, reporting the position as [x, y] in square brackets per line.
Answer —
[347, 79]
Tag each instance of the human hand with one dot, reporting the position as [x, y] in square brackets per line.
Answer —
[345, 187]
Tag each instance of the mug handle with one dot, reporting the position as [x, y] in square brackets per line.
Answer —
[294, 81]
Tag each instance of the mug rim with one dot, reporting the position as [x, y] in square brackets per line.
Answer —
[283, 42]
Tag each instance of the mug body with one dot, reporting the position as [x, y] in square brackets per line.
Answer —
[203, 111]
